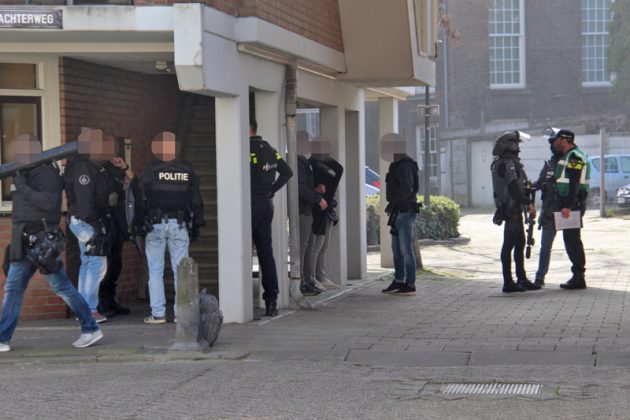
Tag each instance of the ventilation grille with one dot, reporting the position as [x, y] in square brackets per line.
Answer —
[491, 389]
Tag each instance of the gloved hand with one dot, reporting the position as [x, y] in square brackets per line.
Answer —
[19, 181]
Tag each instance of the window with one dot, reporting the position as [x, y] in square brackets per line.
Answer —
[506, 25]
[610, 165]
[625, 164]
[426, 26]
[596, 16]
[433, 158]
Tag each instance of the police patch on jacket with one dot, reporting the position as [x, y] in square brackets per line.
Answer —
[172, 176]
[84, 179]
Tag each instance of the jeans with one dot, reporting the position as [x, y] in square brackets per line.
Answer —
[20, 273]
[316, 254]
[175, 236]
[92, 268]
[402, 248]
[546, 243]
[262, 215]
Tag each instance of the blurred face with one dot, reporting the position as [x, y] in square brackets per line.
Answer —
[561, 144]
[164, 146]
[25, 147]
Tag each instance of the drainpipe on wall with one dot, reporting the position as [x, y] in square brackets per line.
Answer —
[295, 295]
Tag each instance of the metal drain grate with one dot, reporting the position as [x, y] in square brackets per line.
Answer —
[491, 389]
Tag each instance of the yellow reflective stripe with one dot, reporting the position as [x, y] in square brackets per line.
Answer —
[579, 165]
[253, 158]
[278, 156]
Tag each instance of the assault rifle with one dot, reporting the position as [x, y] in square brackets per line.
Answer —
[56, 153]
[530, 220]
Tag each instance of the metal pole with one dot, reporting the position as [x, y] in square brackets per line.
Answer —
[427, 152]
[602, 172]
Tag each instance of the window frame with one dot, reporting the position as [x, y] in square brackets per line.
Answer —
[601, 62]
[521, 50]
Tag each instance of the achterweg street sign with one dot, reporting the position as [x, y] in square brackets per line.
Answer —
[30, 19]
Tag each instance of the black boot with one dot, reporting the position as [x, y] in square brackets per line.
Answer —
[574, 284]
[539, 282]
[119, 309]
[271, 308]
[527, 285]
[510, 287]
[104, 306]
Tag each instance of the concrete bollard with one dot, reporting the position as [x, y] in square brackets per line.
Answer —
[187, 302]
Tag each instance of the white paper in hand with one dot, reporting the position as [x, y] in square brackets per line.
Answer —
[574, 221]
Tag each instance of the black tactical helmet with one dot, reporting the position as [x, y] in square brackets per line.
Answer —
[507, 143]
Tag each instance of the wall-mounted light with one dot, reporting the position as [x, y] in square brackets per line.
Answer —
[163, 66]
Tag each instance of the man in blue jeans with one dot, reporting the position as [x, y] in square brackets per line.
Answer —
[401, 189]
[36, 242]
[169, 201]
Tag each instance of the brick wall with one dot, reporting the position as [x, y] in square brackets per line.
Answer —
[315, 20]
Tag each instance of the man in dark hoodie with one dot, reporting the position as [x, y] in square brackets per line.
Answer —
[401, 189]
[37, 242]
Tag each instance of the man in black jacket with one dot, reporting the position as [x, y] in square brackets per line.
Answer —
[265, 162]
[401, 189]
[37, 242]
[87, 192]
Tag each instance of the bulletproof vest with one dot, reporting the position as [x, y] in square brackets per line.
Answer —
[547, 180]
[504, 171]
[101, 187]
[24, 211]
[263, 161]
[168, 187]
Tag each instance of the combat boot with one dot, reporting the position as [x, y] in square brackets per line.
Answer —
[271, 308]
[104, 307]
[574, 284]
[119, 309]
[510, 287]
[527, 285]
[540, 282]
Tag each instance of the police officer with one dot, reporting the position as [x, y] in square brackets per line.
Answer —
[36, 243]
[572, 175]
[549, 198]
[401, 190]
[169, 201]
[87, 192]
[265, 161]
[509, 183]
[118, 176]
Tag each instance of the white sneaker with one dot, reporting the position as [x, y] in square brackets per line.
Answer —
[4, 347]
[87, 339]
[328, 284]
[319, 286]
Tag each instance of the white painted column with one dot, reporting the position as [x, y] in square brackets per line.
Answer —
[355, 195]
[269, 127]
[234, 208]
[332, 127]
[387, 123]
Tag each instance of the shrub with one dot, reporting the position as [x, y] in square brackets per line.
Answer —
[439, 221]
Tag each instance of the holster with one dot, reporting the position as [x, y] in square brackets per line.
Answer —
[100, 243]
[44, 249]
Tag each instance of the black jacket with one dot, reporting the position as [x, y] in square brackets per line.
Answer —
[39, 199]
[307, 194]
[86, 189]
[265, 162]
[401, 184]
[115, 177]
[327, 172]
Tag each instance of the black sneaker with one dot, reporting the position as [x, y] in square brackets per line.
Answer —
[308, 290]
[106, 310]
[574, 284]
[539, 282]
[512, 287]
[119, 309]
[405, 290]
[527, 285]
[395, 285]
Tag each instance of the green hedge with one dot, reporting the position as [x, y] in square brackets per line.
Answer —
[438, 221]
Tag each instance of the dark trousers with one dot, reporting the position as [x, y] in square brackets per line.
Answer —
[513, 239]
[107, 289]
[262, 215]
[575, 250]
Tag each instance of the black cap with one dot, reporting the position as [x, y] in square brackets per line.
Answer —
[566, 134]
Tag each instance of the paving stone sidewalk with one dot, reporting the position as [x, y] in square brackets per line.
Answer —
[459, 316]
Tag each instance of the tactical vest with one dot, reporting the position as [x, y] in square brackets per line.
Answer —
[513, 171]
[263, 161]
[565, 162]
[168, 187]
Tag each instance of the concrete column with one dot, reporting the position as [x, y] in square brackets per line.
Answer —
[234, 208]
[269, 127]
[332, 126]
[387, 123]
[355, 197]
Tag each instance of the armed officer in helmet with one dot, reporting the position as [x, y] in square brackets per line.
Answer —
[169, 201]
[510, 196]
[572, 175]
[265, 161]
[87, 192]
[37, 242]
